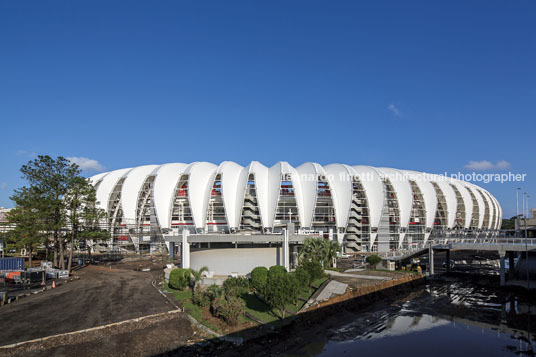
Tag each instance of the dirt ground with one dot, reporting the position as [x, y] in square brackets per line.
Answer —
[102, 295]
[151, 336]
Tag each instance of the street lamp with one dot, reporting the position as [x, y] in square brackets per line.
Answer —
[516, 223]
[526, 199]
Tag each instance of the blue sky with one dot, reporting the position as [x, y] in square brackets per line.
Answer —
[428, 85]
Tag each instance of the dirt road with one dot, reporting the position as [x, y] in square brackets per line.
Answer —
[101, 296]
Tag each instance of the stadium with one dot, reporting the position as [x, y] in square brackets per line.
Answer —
[227, 206]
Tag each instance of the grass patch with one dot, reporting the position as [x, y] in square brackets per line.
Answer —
[253, 305]
[259, 309]
[319, 282]
[185, 298]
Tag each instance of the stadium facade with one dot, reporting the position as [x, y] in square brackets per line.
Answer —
[364, 208]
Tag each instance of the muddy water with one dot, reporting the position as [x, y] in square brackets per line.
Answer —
[443, 319]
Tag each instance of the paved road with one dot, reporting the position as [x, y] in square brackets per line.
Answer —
[101, 296]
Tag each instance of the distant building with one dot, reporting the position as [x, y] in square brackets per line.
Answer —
[3, 228]
[3, 214]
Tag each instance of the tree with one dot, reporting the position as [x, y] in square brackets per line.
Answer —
[373, 260]
[52, 178]
[28, 218]
[229, 308]
[91, 218]
[331, 248]
[276, 270]
[508, 224]
[313, 249]
[302, 277]
[293, 288]
[314, 269]
[321, 250]
[77, 201]
[259, 276]
[278, 292]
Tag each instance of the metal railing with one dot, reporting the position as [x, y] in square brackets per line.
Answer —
[495, 240]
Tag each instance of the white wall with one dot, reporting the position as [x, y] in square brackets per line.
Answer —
[227, 261]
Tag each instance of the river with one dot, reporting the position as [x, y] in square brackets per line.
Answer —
[442, 319]
[455, 316]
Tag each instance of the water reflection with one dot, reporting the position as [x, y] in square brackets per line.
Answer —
[441, 320]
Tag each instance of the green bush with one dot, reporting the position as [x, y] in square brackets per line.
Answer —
[303, 277]
[314, 268]
[214, 292]
[259, 275]
[277, 270]
[201, 297]
[179, 278]
[373, 259]
[236, 286]
[229, 309]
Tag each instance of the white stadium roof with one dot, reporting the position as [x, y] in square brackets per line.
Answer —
[304, 181]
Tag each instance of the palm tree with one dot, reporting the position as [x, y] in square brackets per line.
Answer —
[313, 249]
[321, 250]
[331, 247]
[195, 275]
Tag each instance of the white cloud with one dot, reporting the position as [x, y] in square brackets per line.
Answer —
[86, 164]
[394, 109]
[26, 153]
[3, 185]
[487, 165]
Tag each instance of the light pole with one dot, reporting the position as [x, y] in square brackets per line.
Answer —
[516, 222]
[526, 240]
[517, 201]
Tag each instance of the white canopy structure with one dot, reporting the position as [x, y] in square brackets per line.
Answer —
[354, 204]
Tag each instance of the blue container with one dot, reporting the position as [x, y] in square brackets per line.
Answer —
[11, 263]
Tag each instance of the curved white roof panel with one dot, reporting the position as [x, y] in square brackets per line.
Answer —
[134, 181]
[96, 178]
[450, 199]
[403, 191]
[340, 183]
[373, 186]
[480, 203]
[428, 193]
[200, 183]
[260, 173]
[467, 201]
[308, 176]
[165, 182]
[233, 180]
[107, 185]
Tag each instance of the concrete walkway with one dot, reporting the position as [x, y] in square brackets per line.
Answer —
[332, 288]
[360, 276]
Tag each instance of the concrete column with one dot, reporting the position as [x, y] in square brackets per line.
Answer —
[171, 247]
[285, 250]
[502, 270]
[431, 260]
[185, 250]
[448, 259]
[511, 264]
